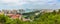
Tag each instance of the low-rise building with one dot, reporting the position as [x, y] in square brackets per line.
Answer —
[14, 16]
[46, 10]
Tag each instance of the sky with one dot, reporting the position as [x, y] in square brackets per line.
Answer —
[30, 4]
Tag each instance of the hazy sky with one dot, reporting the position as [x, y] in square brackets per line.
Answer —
[31, 4]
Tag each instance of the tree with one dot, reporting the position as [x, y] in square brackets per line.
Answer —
[2, 19]
[54, 12]
[59, 10]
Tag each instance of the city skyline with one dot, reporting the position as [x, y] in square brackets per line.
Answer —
[30, 4]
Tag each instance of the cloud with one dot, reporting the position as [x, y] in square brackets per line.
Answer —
[21, 2]
[17, 2]
[29, 4]
[7, 1]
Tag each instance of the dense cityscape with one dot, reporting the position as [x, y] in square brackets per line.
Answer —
[21, 16]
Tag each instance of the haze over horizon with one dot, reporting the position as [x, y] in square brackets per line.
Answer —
[30, 4]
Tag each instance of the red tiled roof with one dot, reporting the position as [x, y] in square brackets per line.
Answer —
[14, 16]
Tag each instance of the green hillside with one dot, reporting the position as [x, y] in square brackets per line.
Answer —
[43, 18]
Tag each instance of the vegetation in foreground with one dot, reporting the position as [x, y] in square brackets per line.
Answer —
[46, 18]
